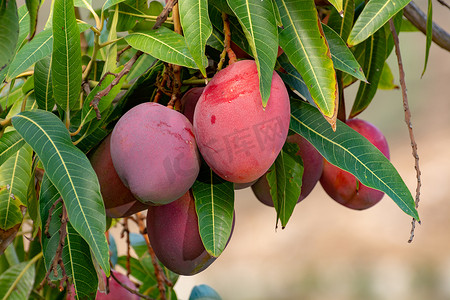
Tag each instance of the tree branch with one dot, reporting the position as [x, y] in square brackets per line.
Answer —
[407, 121]
[419, 19]
[165, 13]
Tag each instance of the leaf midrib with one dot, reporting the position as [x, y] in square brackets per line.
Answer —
[306, 56]
[67, 173]
[356, 158]
[370, 21]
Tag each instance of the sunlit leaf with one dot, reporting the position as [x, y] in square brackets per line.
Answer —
[163, 44]
[374, 15]
[285, 182]
[353, 153]
[260, 27]
[343, 25]
[15, 174]
[38, 48]
[429, 34]
[196, 28]
[214, 204]
[71, 173]
[33, 8]
[307, 50]
[342, 57]
[10, 143]
[66, 56]
[387, 79]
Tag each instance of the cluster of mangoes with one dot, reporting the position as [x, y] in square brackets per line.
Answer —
[153, 156]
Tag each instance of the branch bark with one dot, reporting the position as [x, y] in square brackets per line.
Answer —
[419, 19]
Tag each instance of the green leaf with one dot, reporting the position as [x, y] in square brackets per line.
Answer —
[76, 254]
[37, 49]
[9, 31]
[214, 204]
[24, 25]
[88, 112]
[258, 21]
[10, 143]
[78, 257]
[216, 40]
[17, 282]
[164, 44]
[374, 15]
[353, 153]
[66, 56]
[302, 41]
[110, 3]
[429, 34]
[71, 173]
[33, 203]
[285, 181]
[111, 50]
[15, 174]
[338, 5]
[33, 8]
[196, 28]
[83, 3]
[343, 25]
[387, 79]
[342, 57]
[375, 55]
[293, 78]
[43, 87]
[128, 16]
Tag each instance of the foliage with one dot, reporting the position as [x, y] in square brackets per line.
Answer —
[61, 93]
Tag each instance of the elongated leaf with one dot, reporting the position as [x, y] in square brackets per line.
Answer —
[196, 28]
[66, 56]
[353, 153]
[342, 57]
[17, 282]
[163, 44]
[10, 143]
[83, 3]
[338, 5]
[15, 174]
[291, 76]
[24, 25]
[110, 3]
[387, 79]
[285, 181]
[374, 15]
[38, 48]
[343, 25]
[141, 66]
[78, 257]
[214, 203]
[76, 254]
[258, 21]
[43, 87]
[429, 34]
[9, 31]
[111, 50]
[375, 55]
[71, 173]
[33, 8]
[216, 40]
[302, 41]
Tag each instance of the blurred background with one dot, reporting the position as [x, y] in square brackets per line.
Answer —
[328, 251]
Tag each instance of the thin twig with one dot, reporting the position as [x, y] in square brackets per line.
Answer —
[57, 259]
[130, 289]
[120, 52]
[50, 212]
[126, 69]
[164, 14]
[442, 2]
[176, 69]
[160, 277]
[408, 122]
[419, 19]
[227, 43]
